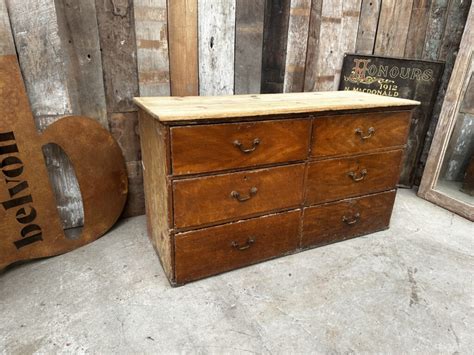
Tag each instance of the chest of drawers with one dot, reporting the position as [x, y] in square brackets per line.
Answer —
[234, 180]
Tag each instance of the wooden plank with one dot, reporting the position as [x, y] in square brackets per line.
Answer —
[135, 205]
[64, 35]
[435, 29]
[152, 47]
[275, 35]
[119, 62]
[350, 24]
[175, 109]
[248, 46]
[6, 39]
[312, 52]
[393, 27]
[183, 47]
[216, 46]
[298, 28]
[445, 50]
[367, 31]
[417, 30]
[458, 84]
[329, 45]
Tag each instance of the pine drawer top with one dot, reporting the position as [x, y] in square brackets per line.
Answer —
[191, 108]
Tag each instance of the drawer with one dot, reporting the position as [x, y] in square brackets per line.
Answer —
[204, 148]
[333, 179]
[337, 221]
[210, 199]
[217, 249]
[356, 133]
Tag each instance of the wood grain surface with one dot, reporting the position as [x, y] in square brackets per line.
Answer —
[183, 47]
[206, 148]
[151, 22]
[210, 199]
[334, 222]
[339, 135]
[330, 180]
[367, 30]
[216, 46]
[249, 16]
[178, 109]
[214, 250]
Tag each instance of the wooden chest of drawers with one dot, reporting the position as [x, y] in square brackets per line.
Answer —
[234, 180]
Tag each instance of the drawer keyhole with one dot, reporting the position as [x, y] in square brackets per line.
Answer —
[255, 143]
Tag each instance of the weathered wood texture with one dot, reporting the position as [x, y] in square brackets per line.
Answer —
[7, 46]
[369, 18]
[249, 16]
[456, 91]
[298, 28]
[183, 47]
[275, 37]
[96, 55]
[152, 47]
[216, 46]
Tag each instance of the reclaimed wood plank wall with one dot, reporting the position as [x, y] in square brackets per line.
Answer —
[93, 56]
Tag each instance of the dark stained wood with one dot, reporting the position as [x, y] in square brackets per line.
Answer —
[275, 36]
[135, 204]
[119, 59]
[249, 16]
[210, 199]
[468, 182]
[154, 144]
[206, 148]
[329, 180]
[345, 219]
[338, 135]
[210, 251]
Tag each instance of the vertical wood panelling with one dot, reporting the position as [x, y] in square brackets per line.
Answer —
[435, 29]
[64, 35]
[216, 46]
[248, 45]
[367, 31]
[152, 47]
[350, 25]
[6, 39]
[275, 37]
[417, 30]
[183, 47]
[393, 27]
[313, 45]
[119, 60]
[298, 28]
[329, 45]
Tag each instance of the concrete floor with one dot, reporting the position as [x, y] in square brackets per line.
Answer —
[405, 290]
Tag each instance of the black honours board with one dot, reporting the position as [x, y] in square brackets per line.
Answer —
[397, 77]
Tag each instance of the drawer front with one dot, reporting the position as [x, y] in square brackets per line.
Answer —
[204, 148]
[337, 221]
[204, 200]
[356, 133]
[217, 249]
[333, 179]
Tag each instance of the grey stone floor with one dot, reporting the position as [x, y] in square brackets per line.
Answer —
[405, 290]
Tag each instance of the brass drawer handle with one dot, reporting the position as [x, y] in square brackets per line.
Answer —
[351, 220]
[238, 197]
[247, 244]
[369, 134]
[358, 177]
[239, 145]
